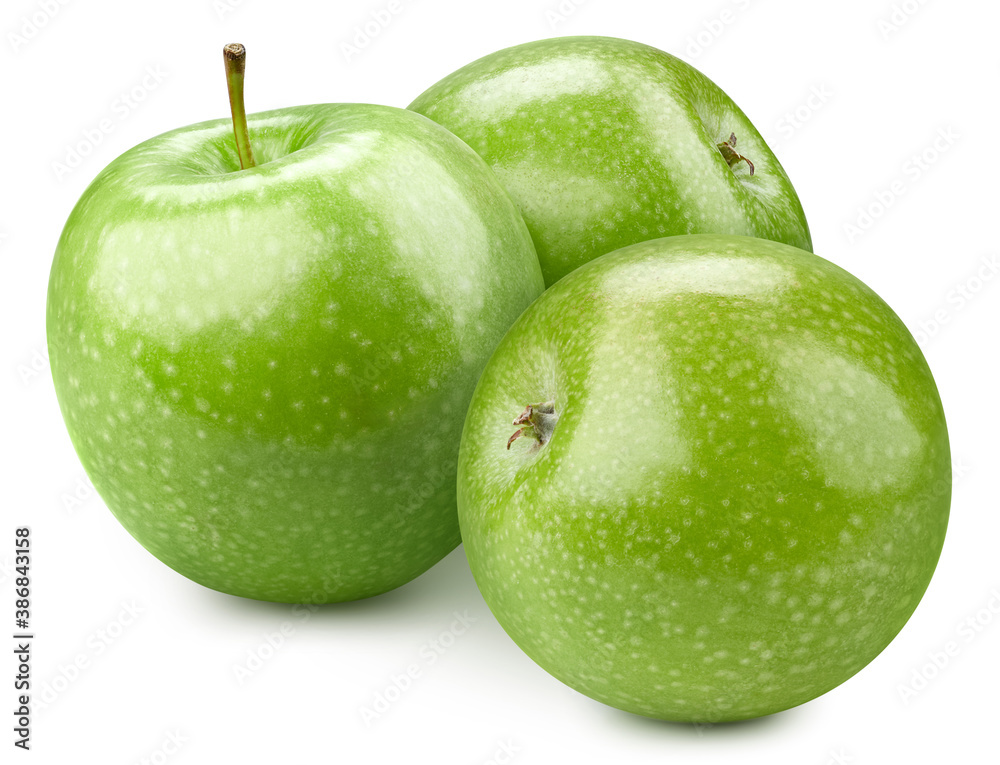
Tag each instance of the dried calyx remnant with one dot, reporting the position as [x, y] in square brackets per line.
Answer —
[729, 153]
[537, 421]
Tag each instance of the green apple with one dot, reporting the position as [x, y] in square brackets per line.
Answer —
[727, 482]
[265, 371]
[604, 142]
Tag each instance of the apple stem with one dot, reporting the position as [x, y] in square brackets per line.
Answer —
[537, 421]
[235, 56]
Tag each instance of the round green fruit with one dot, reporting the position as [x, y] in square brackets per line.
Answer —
[727, 484]
[265, 371]
[603, 143]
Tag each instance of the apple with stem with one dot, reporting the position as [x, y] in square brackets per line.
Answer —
[605, 142]
[705, 478]
[264, 348]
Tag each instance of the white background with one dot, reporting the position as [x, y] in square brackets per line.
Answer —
[890, 84]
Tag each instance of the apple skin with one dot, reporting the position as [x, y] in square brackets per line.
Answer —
[744, 493]
[604, 143]
[265, 372]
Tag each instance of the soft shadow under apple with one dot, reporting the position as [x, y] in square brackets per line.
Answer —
[756, 727]
[445, 587]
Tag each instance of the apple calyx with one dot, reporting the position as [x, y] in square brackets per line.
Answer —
[235, 57]
[728, 150]
[537, 421]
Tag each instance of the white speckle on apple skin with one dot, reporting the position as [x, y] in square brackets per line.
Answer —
[735, 511]
[280, 413]
[604, 142]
